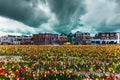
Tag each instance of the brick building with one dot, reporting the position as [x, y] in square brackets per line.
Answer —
[86, 38]
[63, 38]
[82, 38]
[45, 38]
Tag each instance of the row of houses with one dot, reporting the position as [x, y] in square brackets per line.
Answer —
[11, 39]
[76, 38]
[49, 38]
[106, 38]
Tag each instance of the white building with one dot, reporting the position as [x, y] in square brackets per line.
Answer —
[106, 38]
[118, 40]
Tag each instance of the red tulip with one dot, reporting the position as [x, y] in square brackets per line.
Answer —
[95, 61]
[108, 78]
[16, 72]
[0, 72]
[28, 75]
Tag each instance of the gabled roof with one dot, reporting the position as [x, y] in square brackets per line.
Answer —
[63, 34]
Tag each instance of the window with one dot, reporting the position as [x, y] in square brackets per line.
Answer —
[103, 42]
[97, 42]
[92, 41]
[103, 38]
[111, 34]
[107, 35]
[103, 34]
[46, 35]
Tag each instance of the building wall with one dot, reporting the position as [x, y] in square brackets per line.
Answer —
[107, 38]
[45, 38]
[118, 40]
[82, 38]
[71, 38]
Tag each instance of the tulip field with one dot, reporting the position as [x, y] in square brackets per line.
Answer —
[65, 62]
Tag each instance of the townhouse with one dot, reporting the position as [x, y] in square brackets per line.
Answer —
[106, 38]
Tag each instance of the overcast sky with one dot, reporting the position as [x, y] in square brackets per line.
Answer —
[58, 16]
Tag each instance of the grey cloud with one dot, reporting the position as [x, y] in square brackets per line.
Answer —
[114, 20]
[111, 24]
[67, 12]
[63, 15]
[102, 15]
[24, 11]
[118, 1]
[16, 31]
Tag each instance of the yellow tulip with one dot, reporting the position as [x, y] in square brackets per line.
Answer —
[13, 66]
[11, 78]
[13, 75]
[84, 78]
[55, 68]
[110, 69]
[100, 70]
[99, 75]
[91, 69]
[96, 79]
[47, 55]
[37, 74]
[6, 75]
[78, 74]
[3, 67]
[10, 71]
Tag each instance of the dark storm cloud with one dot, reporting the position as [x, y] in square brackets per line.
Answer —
[62, 15]
[23, 10]
[66, 11]
[118, 1]
[112, 26]
[105, 28]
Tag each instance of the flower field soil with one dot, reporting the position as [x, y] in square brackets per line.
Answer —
[67, 62]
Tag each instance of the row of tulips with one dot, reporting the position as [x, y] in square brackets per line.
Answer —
[29, 62]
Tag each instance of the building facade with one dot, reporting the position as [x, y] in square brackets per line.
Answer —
[71, 38]
[82, 38]
[15, 40]
[106, 38]
[45, 38]
[26, 39]
[49, 38]
[78, 37]
[86, 38]
[63, 38]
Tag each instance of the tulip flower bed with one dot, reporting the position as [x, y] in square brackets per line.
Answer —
[32, 62]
